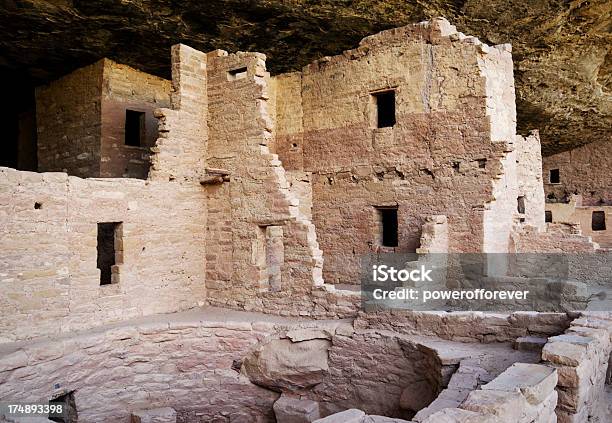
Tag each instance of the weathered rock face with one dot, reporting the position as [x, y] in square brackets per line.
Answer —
[561, 48]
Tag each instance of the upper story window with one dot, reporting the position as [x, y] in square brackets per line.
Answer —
[554, 176]
[238, 73]
[385, 108]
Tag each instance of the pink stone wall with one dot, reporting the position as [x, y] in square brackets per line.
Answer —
[440, 158]
[127, 88]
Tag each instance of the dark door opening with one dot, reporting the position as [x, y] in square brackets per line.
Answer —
[388, 226]
[385, 109]
[598, 221]
[134, 128]
[107, 234]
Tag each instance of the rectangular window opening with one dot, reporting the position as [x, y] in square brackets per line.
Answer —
[134, 128]
[109, 251]
[520, 204]
[554, 176]
[385, 108]
[598, 221]
[388, 226]
[239, 73]
[548, 218]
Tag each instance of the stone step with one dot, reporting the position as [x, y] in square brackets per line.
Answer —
[529, 343]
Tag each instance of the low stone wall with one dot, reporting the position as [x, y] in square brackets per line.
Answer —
[472, 326]
[524, 393]
[339, 368]
[581, 357]
[187, 363]
[219, 365]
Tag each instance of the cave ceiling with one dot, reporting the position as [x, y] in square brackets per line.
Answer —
[561, 49]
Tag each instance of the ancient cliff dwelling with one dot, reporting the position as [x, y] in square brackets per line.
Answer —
[201, 248]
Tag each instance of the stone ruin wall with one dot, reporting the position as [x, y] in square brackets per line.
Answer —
[50, 283]
[259, 249]
[218, 367]
[126, 88]
[453, 142]
[262, 252]
[530, 186]
[584, 171]
[180, 151]
[88, 141]
[583, 359]
[68, 126]
[52, 219]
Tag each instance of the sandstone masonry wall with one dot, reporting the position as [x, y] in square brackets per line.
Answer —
[530, 186]
[575, 213]
[262, 250]
[180, 150]
[81, 120]
[187, 364]
[127, 88]
[581, 357]
[440, 157]
[160, 247]
[583, 171]
[68, 120]
[49, 282]
[467, 326]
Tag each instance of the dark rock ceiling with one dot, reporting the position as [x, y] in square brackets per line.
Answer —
[561, 48]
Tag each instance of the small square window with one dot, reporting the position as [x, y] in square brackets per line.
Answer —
[385, 108]
[598, 221]
[554, 177]
[235, 74]
[134, 128]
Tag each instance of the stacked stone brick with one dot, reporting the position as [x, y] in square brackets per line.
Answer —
[581, 356]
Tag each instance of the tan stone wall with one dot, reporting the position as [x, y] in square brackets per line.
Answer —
[530, 186]
[581, 357]
[68, 120]
[257, 198]
[558, 238]
[584, 171]
[48, 270]
[429, 163]
[467, 326]
[81, 120]
[180, 150]
[51, 283]
[574, 213]
[127, 88]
